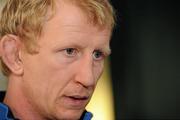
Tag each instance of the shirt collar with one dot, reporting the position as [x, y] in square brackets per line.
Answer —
[5, 112]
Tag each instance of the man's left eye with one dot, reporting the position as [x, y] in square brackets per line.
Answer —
[98, 55]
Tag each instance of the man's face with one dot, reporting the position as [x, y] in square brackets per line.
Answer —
[59, 81]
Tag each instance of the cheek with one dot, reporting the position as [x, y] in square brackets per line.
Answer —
[56, 80]
[43, 79]
[59, 77]
[98, 70]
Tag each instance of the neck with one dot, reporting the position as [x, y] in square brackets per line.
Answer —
[16, 100]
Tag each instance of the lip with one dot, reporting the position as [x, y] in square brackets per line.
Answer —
[76, 101]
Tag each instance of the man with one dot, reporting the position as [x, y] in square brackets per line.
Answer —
[52, 52]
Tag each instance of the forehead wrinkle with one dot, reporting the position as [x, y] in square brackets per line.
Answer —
[81, 37]
[72, 28]
[81, 29]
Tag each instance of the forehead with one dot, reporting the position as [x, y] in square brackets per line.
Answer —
[69, 15]
[93, 11]
[69, 27]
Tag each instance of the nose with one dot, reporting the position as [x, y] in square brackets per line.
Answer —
[85, 73]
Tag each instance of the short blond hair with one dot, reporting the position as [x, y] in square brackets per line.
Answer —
[25, 19]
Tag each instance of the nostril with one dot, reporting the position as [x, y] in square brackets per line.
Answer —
[84, 73]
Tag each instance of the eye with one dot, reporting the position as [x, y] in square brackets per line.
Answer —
[98, 55]
[71, 52]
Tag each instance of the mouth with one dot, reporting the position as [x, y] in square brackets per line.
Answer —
[76, 101]
[77, 97]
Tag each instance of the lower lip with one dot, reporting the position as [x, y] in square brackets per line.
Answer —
[75, 103]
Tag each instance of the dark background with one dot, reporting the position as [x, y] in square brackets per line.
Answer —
[145, 59]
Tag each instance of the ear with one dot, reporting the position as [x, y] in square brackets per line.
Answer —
[10, 50]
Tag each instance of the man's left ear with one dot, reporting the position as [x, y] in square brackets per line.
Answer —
[10, 51]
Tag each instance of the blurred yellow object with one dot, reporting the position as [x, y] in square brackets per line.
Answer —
[101, 104]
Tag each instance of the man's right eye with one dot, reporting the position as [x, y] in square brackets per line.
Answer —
[71, 52]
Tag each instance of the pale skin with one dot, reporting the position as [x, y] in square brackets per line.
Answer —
[58, 81]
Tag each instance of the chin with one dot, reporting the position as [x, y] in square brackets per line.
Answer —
[69, 115]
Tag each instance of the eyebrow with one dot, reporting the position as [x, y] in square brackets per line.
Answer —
[107, 51]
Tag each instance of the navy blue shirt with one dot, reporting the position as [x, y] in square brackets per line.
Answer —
[6, 114]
